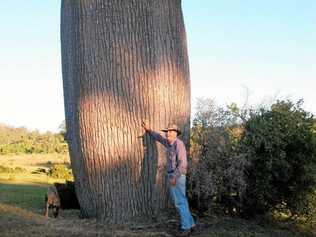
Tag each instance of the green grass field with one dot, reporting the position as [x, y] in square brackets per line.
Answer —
[28, 197]
[22, 207]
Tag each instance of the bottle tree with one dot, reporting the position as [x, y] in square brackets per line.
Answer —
[122, 62]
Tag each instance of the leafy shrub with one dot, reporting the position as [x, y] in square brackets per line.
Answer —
[281, 147]
[253, 161]
[60, 171]
[216, 177]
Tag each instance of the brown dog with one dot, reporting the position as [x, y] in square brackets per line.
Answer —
[52, 201]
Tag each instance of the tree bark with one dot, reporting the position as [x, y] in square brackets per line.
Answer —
[123, 61]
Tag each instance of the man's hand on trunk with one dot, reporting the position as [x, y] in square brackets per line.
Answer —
[145, 125]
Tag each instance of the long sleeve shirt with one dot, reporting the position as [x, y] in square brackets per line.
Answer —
[176, 155]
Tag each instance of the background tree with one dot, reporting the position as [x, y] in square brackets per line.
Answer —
[123, 62]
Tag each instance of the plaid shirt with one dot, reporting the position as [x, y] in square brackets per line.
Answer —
[176, 155]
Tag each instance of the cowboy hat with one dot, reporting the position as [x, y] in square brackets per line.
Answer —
[172, 127]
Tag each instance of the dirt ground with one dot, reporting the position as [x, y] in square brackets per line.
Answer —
[15, 221]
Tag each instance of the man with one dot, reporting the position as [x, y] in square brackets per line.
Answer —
[176, 173]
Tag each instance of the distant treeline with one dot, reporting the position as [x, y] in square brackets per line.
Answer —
[22, 141]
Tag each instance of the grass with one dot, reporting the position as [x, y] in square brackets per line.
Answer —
[22, 207]
[29, 197]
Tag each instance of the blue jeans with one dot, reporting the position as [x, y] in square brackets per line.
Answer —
[180, 201]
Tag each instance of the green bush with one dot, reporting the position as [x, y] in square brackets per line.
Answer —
[253, 161]
[60, 171]
[216, 179]
[280, 145]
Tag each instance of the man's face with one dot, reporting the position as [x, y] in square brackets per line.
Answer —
[171, 136]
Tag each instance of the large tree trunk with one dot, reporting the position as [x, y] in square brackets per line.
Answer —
[123, 61]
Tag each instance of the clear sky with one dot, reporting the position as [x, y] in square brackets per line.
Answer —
[266, 46]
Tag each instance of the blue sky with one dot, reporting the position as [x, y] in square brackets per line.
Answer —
[265, 46]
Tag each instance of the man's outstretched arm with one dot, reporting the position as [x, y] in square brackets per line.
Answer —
[154, 134]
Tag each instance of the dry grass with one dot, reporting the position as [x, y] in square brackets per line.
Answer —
[33, 161]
